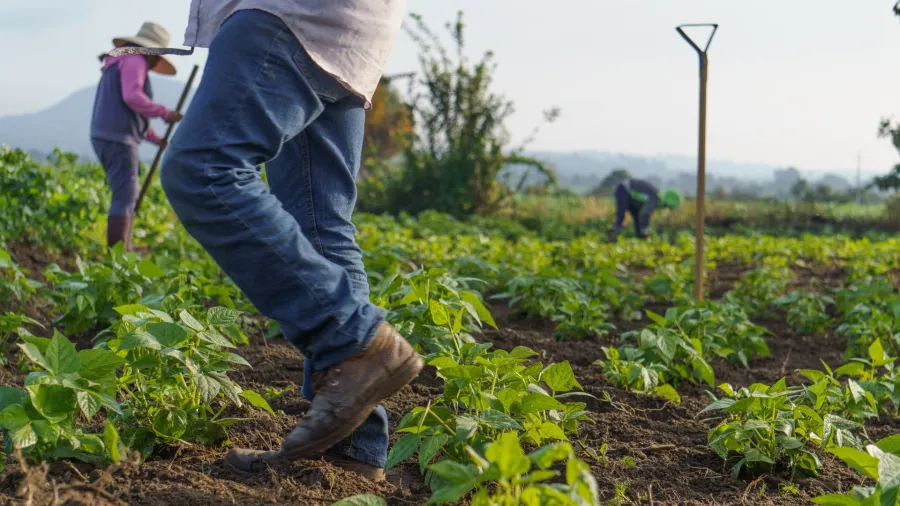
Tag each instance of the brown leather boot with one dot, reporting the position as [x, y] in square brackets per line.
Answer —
[347, 393]
[118, 228]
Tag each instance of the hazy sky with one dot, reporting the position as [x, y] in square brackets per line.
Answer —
[793, 82]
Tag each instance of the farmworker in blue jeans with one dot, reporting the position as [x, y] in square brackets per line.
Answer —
[640, 198]
[286, 84]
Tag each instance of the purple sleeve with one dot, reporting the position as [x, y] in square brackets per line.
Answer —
[133, 71]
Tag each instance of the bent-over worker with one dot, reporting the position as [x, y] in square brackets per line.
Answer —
[640, 198]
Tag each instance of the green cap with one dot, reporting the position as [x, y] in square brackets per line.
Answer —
[670, 199]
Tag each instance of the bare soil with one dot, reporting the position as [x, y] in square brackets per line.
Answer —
[656, 451]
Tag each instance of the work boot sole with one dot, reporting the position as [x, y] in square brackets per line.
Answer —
[402, 376]
[248, 462]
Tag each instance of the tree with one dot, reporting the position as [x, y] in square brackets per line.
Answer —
[388, 123]
[460, 142]
[605, 188]
[891, 180]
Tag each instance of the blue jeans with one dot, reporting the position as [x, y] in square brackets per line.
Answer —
[624, 203]
[291, 249]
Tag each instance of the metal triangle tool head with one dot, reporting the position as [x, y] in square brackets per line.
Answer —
[150, 51]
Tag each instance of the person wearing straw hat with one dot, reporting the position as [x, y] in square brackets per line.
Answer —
[123, 107]
[640, 198]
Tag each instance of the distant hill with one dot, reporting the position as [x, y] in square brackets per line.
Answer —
[66, 125]
[584, 170]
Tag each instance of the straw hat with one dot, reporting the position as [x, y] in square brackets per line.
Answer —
[151, 35]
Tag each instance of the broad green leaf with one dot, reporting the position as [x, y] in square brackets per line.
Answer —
[88, 404]
[24, 436]
[61, 356]
[96, 364]
[54, 402]
[139, 339]
[170, 423]
[402, 449]
[855, 390]
[560, 378]
[221, 316]
[229, 387]
[131, 309]
[149, 269]
[877, 354]
[657, 319]
[719, 404]
[443, 363]
[257, 400]
[534, 402]
[215, 338]
[429, 448]
[538, 476]
[507, 398]
[361, 500]
[111, 442]
[189, 320]
[864, 463]
[167, 334]
[704, 370]
[499, 421]
[837, 500]
[852, 369]
[452, 471]
[233, 358]
[13, 417]
[888, 467]
[10, 396]
[439, 313]
[890, 444]
[46, 431]
[451, 494]
[668, 392]
[34, 354]
[575, 470]
[754, 455]
[550, 430]
[548, 455]
[507, 454]
[522, 352]
[482, 311]
[466, 427]
[209, 387]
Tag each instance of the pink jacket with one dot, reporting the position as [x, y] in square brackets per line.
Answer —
[133, 70]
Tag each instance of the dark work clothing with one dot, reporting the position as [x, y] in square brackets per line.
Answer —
[639, 198]
[113, 120]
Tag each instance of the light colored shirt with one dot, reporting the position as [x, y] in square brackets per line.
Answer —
[349, 39]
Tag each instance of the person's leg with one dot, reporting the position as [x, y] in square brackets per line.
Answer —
[314, 177]
[256, 93]
[635, 211]
[622, 202]
[120, 162]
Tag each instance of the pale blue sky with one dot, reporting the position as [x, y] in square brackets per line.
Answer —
[801, 82]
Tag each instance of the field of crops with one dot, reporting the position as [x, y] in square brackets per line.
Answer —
[560, 372]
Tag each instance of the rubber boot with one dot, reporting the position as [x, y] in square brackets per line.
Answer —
[118, 228]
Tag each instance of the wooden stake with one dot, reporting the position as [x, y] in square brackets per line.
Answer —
[158, 157]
